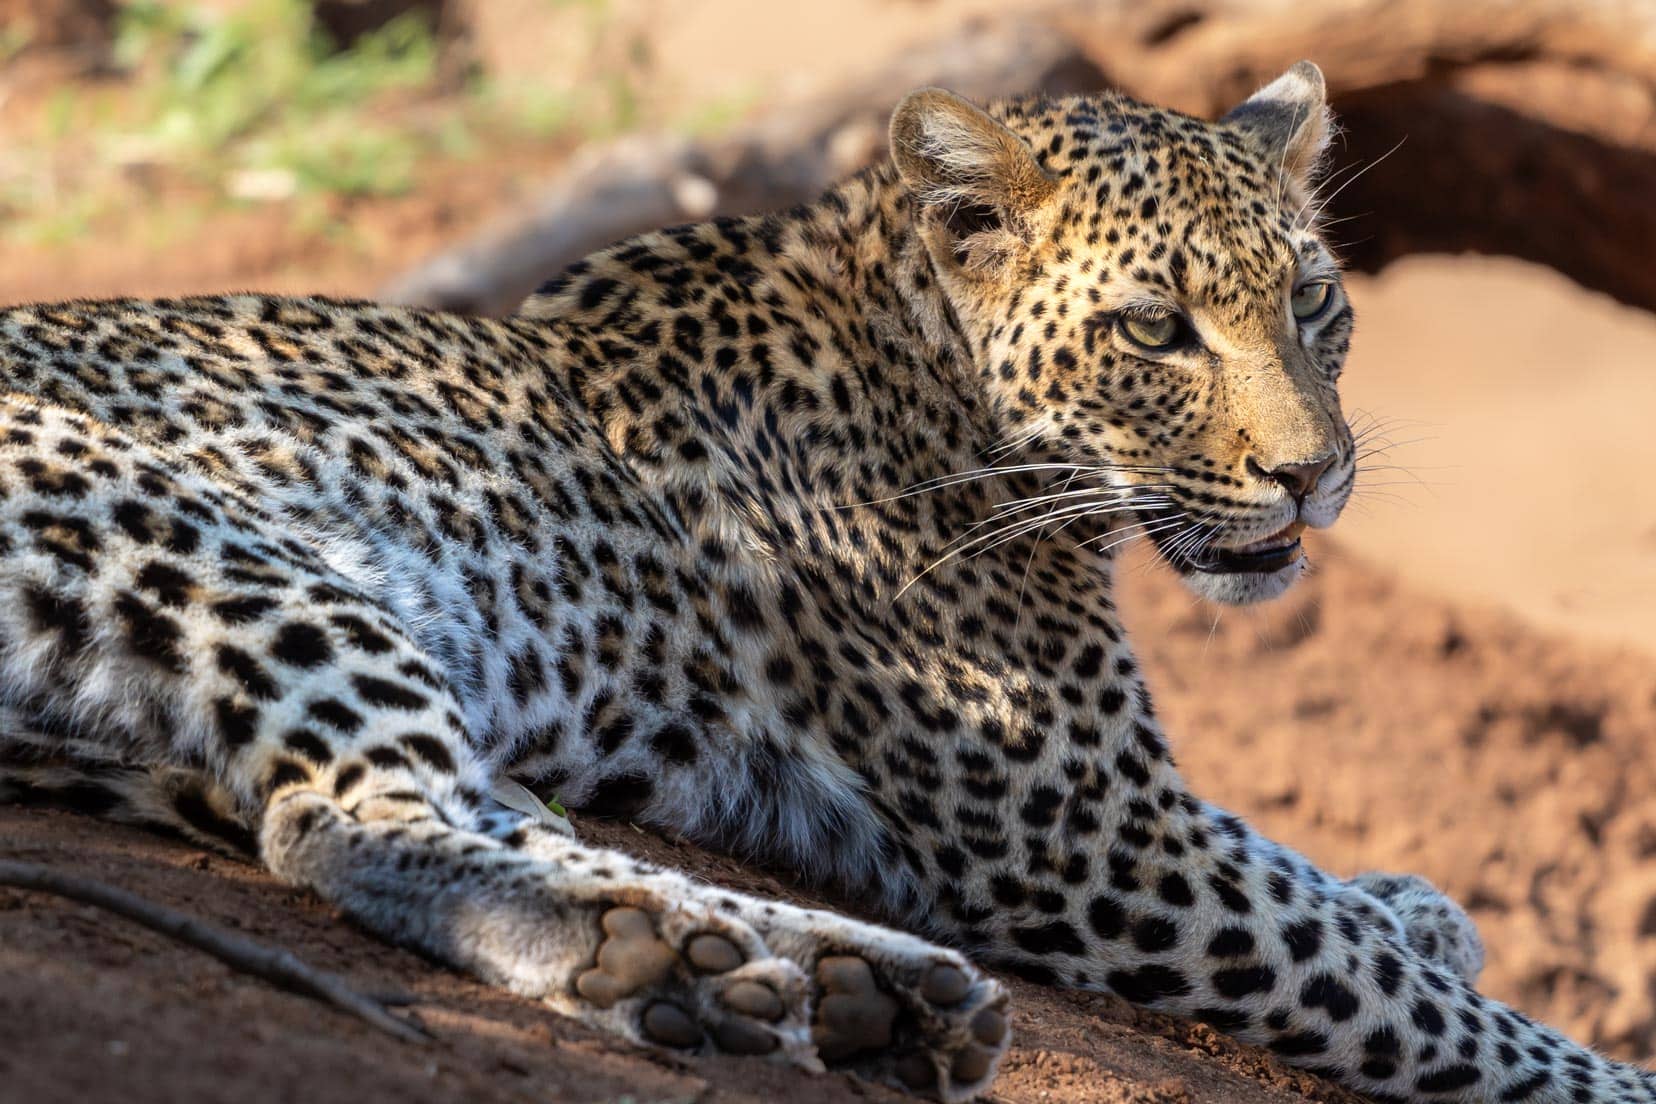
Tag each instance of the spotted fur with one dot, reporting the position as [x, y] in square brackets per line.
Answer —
[790, 533]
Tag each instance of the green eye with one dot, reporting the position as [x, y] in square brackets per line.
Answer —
[1310, 300]
[1153, 332]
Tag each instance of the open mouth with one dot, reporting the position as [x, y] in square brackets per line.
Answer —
[1272, 553]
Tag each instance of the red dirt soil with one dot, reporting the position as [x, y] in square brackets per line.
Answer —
[1379, 728]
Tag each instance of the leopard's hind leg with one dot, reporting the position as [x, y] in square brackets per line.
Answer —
[43, 766]
[156, 624]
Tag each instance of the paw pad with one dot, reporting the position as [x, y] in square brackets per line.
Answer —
[754, 999]
[853, 1014]
[945, 985]
[989, 1027]
[743, 1037]
[670, 1025]
[916, 1072]
[713, 954]
[631, 958]
[971, 1064]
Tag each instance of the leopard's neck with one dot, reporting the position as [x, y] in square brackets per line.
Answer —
[830, 408]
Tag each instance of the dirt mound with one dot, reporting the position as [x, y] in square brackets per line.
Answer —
[1379, 729]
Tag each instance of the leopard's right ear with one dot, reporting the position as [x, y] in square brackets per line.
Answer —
[976, 173]
[1290, 123]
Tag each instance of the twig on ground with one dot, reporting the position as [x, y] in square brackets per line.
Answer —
[273, 964]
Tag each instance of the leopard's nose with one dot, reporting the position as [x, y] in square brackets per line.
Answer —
[1297, 479]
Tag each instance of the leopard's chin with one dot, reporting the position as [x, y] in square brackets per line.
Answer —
[1244, 574]
[1244, 588]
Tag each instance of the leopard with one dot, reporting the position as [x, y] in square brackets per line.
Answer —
[791, 535]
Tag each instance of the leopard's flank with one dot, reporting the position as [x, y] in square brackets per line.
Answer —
[792, 534]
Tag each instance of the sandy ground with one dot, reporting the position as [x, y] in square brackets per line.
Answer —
[1465, 689]
[1522, 410]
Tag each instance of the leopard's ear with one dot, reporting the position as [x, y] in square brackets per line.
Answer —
[1288, 121]
[979, 178]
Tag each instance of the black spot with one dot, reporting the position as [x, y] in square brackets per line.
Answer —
[151, 635]
[1155, 933]
[1388, 972]
[246, 671]
[1427, 1016]
[1133, 769]
[1243, 981]
[1382, 1042]
[1176, 891]
[308, 744]
[1229, 895]
[743, 608]
[1111, 699]
[1448, 1079]
[301, 645]
[1054, 938]
[1041, 810]
[1304, 938]
[1107, 917]
[237, 723]
[286, 772]
[167, 582]
[595, 290]
[1088, 661]
[419, 672]
[134, 520]
[347, 777]
[621, 794]
[431, 750]
[183, 539]
[361, 635]
[387, 695]
[1300, 1043]
[675, 742]
[1325, 991]
[1007, 891]
[240, 611]
[1231, 943]
[612, 734]
[336, 714]
[1148, 983]
[386, 758]
[1528, 1087]
[50, 612]
[525, 675]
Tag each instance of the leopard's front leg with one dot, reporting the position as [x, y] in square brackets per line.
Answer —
[154, 625]
[1113, 876]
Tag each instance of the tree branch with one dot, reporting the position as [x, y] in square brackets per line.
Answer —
[270, 963]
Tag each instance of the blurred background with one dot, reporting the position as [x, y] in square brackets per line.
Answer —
[1494, 192]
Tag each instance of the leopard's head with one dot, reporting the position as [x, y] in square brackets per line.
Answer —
[1149, 306]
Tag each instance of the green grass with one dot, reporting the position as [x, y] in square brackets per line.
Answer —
[261, 90]
[253, 104]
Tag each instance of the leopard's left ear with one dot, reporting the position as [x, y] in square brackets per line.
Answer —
[979, 178]
[1289, 122]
